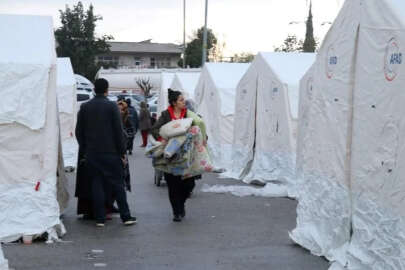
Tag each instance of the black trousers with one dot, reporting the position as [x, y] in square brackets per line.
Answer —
[179, 191]
[130, 144]
[107, 175]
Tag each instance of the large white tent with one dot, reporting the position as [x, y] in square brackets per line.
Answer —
[351, 158]
[186, 82]
[28, 127]
[267, 111]
[67, 105]
[323, 213]
[378, 137]
[215, 100]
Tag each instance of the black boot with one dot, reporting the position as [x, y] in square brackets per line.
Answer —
[177, 218]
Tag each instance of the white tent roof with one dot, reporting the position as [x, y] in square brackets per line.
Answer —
[226, 77]
[166, 81]
[24, 98]
[186, 82]
[290, 67]
[14, 27]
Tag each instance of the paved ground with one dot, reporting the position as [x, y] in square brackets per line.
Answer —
[220, 232]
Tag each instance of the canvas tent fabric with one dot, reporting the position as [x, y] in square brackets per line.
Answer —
[378, 155]
[215, 100]
[67, 105]
[28, 158]
[186, 83]
[166, 81]
[24, 100]
[354, 121]
[267, 110]
[323, 217]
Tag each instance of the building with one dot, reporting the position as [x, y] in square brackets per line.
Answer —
[144, 54]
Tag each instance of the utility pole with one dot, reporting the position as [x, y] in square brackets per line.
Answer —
[204, 47]
[184, 33]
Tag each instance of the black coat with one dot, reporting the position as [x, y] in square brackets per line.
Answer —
[133, 115]
[99, 127]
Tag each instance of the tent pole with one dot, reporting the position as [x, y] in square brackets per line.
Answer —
[184, 33]
[204, 47]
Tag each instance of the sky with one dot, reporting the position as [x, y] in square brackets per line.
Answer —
[243, 25]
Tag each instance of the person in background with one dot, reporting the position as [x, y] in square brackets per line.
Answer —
[133, 117]
[100, 135]
[179, 188]
[153, 118]
[144, 123]
[129, 131]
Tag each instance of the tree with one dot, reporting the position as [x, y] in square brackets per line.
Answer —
[244, 57]
[290, 44]
[145, 86]
[76, 39]
[194, 48]
[310, 42]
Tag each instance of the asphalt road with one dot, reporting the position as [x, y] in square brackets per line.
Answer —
[220, 231]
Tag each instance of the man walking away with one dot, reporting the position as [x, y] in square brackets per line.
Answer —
[133, 117]
[99, 132]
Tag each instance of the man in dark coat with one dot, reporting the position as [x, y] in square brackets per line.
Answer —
[133, 117]
[100, 135]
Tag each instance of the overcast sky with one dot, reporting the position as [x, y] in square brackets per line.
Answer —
[244, 25]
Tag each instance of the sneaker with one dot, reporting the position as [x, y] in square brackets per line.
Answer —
[183, 213]
[177, 218]
[108, 216]
[100, 224]
[130, 221]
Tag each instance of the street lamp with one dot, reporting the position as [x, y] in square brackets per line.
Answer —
[204, 48]
[184, 33]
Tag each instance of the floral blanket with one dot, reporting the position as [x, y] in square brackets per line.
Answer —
[184, 155]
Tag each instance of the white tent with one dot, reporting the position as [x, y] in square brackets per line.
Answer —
[351, 158]
[267, 111]
[67, 105]
[323, 213]
[215, 100]
[28, 127]
[186, 82]
[166, 81]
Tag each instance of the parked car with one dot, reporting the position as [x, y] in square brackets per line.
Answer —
[112, 98]
[83, 96]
